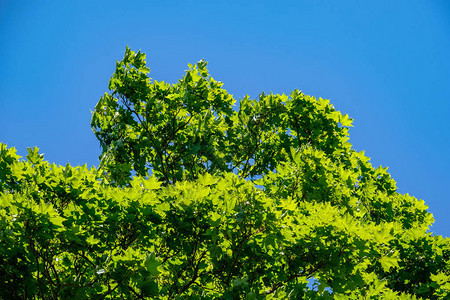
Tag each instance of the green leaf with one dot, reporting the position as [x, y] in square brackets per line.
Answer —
[152, 264]
[388, 262]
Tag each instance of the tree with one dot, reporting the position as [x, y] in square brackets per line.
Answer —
[195, 199]
[180, 131]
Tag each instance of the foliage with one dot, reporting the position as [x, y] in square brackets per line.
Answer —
[189, 128]
[260, 202]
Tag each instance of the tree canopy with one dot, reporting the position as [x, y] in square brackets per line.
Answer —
[197, 197]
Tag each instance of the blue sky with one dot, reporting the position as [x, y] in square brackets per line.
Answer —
[385, 63]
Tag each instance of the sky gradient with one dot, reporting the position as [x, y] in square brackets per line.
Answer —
[385, 63]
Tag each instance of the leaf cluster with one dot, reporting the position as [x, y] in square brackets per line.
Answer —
[197, 199]
[179, 131]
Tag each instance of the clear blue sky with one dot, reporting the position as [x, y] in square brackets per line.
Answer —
[385, 63]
